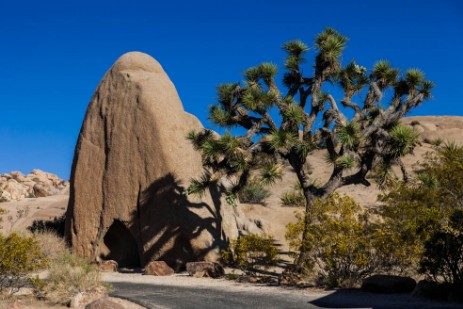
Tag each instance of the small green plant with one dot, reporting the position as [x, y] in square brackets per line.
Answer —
[55, 225]
[3, 199]
[255, 192]
[31, 195]
[294, 197]
[437, 142]
[19, 256]
[251, 252]
[414, 123]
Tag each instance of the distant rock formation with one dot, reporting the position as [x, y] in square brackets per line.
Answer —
[131, 165]
[15, 186]
[437, 128]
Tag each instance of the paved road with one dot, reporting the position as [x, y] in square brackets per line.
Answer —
[156, 292]
[160, 296]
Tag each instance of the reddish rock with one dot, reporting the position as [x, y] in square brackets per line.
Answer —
[205, 269]
[158, 268]
[109, 266]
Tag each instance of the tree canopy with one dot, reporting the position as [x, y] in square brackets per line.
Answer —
[285, 127]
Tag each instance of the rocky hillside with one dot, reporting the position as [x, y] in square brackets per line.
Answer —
[16, 186]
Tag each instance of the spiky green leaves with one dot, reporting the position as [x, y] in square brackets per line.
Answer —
[219, 116]
[330, 43]
[353, 78]
[199, 186]
[346, 161]
[282, 140]
[384, 74]
[265, 71]
[225, 94]
[414, 82]
[294, 114]
[403, 140]
[414, 77]
[256, 99]
[228, 144]
[349, 135]
[296, 50]
[270, 173]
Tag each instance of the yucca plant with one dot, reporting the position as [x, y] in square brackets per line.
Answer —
[281, 128]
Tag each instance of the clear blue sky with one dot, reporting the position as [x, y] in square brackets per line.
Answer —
[53, 54]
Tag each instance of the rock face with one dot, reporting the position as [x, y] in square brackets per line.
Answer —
[16, 186]
[131, 165]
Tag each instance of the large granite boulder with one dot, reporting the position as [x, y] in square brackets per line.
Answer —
[131, 166]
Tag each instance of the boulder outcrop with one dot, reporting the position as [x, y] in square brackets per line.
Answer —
[16, 186]
[131, 166]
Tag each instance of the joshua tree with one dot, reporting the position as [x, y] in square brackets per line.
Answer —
[371, 136]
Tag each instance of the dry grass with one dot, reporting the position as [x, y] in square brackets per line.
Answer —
[68, 274]
[52, 245]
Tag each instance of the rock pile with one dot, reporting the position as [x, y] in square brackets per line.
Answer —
[17, 186]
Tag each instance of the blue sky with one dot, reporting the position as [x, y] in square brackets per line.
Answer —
[54, 53]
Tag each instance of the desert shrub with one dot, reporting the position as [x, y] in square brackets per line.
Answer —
[294, 197]
[437, 142]
[255, 192]
[55, 225]
[417, 216]
[3, 199]
[52, 245]
[19, 257]
[337, 243]
[414, 123]
[443, 252]
[251, 252]
[69, 275]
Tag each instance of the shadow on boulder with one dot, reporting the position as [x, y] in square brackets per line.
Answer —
[166, 226]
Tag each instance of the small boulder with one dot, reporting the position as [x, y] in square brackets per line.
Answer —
[205, 269]
[103, 303]
[158, 268]
[388, 284]
[40, 191]
[109, 266]
[76, 300]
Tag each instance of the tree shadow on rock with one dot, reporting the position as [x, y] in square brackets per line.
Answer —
[171, 228]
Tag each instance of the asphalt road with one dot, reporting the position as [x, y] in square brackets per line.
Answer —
[158, 295]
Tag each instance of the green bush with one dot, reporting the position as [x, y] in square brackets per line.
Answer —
[255, 192]
[55, 225]
[338, 243]
[3, 199]
[416, 217]
[251, 252]
[443, 252]
[19, 257]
